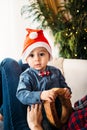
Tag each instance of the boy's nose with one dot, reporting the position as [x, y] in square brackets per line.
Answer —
[36, 57]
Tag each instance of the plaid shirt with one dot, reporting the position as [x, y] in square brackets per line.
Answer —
[77, 121]
[80, 104]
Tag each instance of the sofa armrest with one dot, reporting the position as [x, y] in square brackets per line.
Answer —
[75, 73]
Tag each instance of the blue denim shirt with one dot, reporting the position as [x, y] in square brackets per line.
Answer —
[31, 84]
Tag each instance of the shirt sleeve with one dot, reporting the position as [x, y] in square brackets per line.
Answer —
[26, 93]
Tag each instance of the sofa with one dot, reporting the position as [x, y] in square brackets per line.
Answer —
[74, 71]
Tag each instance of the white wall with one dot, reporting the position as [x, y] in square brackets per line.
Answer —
[12, 29]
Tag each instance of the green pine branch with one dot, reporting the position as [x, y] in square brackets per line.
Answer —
[70, 34]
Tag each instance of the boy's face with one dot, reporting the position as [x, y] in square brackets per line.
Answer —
[38, 58]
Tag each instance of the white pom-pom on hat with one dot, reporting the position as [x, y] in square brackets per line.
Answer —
[33, 35]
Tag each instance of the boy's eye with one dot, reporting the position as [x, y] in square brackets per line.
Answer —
[41, 54]
[31, 55]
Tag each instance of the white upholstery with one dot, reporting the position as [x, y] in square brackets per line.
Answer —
[75, 73]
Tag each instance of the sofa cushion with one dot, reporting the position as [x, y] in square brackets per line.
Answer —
[57, 62]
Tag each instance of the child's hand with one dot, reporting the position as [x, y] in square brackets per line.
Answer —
[67, 93]
[48, 95]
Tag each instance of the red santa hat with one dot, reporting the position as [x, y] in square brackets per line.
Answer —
[34, 39]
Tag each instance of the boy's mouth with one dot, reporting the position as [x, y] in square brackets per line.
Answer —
[37, 65]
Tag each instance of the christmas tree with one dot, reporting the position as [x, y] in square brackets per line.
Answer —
[68, 22]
